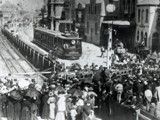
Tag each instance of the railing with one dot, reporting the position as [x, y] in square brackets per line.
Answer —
[143, 115]
[112, 110]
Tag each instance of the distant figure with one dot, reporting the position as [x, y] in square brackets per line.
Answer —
[102, 52]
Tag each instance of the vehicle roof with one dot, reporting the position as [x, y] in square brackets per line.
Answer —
[56, 33]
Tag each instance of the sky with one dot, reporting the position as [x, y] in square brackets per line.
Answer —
[28, 4]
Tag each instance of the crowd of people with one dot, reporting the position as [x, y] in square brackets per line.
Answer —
[72, 98]
[58, 99]
[69, 97]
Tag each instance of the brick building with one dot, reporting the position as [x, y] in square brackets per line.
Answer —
[148, 24]
[94, 15]
[97, 21]
[124, 24]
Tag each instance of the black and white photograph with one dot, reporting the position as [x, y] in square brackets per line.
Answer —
[79, 60]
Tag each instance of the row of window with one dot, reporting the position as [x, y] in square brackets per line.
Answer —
[96, 28]
[92, 9]
[143, 15]
[142, 37]
[128, 6]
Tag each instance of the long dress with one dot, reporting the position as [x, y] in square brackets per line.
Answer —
[17, 110]
[10, 110]
[26, 112]
[34, 110]
[61, 108]
[51, 101]
[3, 99]
[45, 108]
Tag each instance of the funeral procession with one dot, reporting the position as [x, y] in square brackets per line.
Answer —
[79, 60]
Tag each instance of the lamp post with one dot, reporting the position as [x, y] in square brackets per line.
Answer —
[110, 9]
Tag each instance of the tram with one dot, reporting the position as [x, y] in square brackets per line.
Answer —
[65, 46]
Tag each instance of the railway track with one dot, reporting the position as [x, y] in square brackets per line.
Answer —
[11, 59]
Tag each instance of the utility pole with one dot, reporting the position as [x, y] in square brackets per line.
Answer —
[110, 8]
[52, 15]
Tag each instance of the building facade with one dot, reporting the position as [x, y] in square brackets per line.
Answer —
[148, 22]
[98, 20]
[94, 15]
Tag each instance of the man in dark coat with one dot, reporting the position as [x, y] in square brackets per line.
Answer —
[17, 110]
[26, 110]
[10, 109]
[86, 110]
[3, 100]
[45, 108]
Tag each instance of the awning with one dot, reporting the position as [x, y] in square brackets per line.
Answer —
[117, 22]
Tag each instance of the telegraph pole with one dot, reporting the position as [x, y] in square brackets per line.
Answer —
[110, 8]
[52, 15]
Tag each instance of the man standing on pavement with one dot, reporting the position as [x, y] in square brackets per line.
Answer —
[102, 52]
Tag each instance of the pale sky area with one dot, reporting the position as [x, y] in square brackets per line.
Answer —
[27, 4]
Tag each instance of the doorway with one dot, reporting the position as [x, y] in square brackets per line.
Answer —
[155, 42]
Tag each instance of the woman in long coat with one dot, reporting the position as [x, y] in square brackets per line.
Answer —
[17, 110]
[10, 109]
[3, 106]
[26, 110]
[51, 101]
[45, 107]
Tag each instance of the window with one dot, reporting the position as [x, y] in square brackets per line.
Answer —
[132, 6]
[87, 27]
[96, 28]
[141, 36]
[155, 42]
[89, 9]
[139, 14]
[142, 19]
[92, 8]
[110, 1]
[137, 36]
[124, 5]
[129, 7]
[158, 19]
[95, 9]
[146, 16]
[79, 6]
[79, 16]
[145, 38]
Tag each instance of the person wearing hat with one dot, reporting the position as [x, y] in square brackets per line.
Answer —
[45, 105]
[69, 104]
[85, 93]
[148, 98]
[61, 106]
[91, 115]
[86, 110]
[119, 89]
[73, 112]
[157, 96]
[79, 104]
[51, 101]
[26, 112]
[157, 92]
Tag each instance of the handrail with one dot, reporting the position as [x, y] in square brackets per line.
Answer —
[141, 115]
